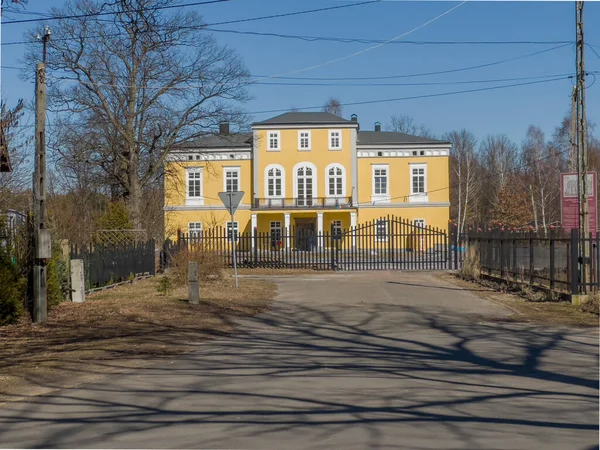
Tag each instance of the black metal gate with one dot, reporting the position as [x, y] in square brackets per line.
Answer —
[388, 243]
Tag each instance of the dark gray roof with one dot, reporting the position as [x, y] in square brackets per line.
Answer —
[305, 118]
[236, 140]
[390, 137]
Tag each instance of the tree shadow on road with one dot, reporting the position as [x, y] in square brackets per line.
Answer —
[315, 372]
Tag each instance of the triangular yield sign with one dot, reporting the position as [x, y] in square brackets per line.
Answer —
[231, 200]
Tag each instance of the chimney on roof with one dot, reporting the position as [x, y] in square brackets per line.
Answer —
[377, 126]
[354, 118]
[224, 128]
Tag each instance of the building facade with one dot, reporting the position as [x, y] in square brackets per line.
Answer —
[312, 172]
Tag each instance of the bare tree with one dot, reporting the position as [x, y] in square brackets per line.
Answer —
[542, 166]
[7, 6]
[133, 87]
[499, 159]
[333, 106]
[464, 172]
[16, 138]
[406, 124]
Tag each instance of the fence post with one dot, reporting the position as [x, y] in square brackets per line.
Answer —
[193, 286]
[531, 255]
[574, 261]
[456, 249]
[502, 271]
[332, 250]
[489, 252]
[552, 261]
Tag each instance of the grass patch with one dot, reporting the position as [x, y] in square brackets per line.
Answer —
[118, 329]
[534, 312]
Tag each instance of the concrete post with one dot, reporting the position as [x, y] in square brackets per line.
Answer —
[320, 228]
[353, 227]
[193, 285]
[77, 281]
[286, 218]
[254, 228]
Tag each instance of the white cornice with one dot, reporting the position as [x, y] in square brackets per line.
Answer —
[330, 126]
[192, 156]
[401, 153]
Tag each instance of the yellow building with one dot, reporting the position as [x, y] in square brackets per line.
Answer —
[312, 172]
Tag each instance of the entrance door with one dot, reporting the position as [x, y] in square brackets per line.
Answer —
[306, 237]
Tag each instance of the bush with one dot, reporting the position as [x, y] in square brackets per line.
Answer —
[210, 265]
[12, 292]
[58, 277]
[164, 285]
[591, 305]
[471, 269]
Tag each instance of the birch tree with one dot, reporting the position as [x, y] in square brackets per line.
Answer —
[542, 166]
[406, 124]
[464, 172]
[133, 85]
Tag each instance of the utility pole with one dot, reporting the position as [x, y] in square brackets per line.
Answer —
[581, 143]
[41, 234]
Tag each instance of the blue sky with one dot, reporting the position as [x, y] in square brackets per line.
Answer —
[509, 110]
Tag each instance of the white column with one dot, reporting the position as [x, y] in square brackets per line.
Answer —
[286, 218]
[353, 226]
[320, 228]
[254, 228]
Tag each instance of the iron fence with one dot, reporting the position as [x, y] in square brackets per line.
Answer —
[385, 244]
[554, 261]
[109, 264]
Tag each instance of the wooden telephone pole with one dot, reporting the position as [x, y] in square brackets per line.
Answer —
[581, 146]
[41, 234]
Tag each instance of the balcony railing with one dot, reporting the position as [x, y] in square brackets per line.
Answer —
[303, 203]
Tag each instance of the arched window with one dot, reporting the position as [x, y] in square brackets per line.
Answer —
[305, 184]
[274, 181]
[335, 181]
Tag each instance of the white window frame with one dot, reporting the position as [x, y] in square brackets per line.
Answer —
[384, 237]
[197, 232]
[194, 200]
[315, 178]
[418, 197]
[233, 169]
[274, 167]
[336, 230]
[380, 197]
[235, 231]
[309, 137]
[330, 136]
[276, 229]
[419, 223]
[277, 136]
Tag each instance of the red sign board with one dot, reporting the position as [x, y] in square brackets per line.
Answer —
[570, 201]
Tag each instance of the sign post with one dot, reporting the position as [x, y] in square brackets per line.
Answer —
[232, 200]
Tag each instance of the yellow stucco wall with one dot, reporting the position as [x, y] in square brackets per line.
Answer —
[212, 173]
[290, 155]
[399, 177]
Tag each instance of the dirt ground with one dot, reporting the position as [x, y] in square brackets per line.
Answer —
[540, 313]
[117, 330]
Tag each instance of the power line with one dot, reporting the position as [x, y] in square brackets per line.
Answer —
[423, 73]
[349, 40]
[493, 175]
[277, 83]
[414, 97]
[368, 49]
[249, 19]
[108, 13]
[593, 50]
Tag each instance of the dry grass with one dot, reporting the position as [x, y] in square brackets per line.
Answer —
[541, 313]
[128, 326]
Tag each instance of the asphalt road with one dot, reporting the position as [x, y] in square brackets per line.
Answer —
[347, 361]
